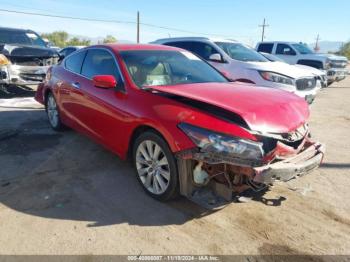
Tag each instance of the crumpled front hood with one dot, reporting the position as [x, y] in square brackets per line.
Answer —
[265, 110]
[280, 68]
[26, 51]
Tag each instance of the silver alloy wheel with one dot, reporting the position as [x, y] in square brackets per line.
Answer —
[52, 112]
[152, 167]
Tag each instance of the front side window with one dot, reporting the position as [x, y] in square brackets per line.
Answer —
[302, 49]
[99, 62]
[74, 62]
[241, 52]
[21, 38]
[284, 49]
[157, 68]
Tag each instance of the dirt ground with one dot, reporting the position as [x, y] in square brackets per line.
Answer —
[61, 193]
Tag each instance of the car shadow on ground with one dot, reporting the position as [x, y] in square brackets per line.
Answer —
[67, 176]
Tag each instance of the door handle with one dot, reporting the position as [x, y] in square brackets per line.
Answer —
[76, 85]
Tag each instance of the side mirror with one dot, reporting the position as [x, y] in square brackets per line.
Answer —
[104, 81]
[216, 58]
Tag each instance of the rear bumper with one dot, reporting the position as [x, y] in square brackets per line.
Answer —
[285, 170]
[22, 75]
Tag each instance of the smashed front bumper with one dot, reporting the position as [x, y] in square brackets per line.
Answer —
[22, 75]
[281, 168]
[229, 176]
[287, 169]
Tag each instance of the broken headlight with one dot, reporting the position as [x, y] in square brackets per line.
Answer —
[211, 141]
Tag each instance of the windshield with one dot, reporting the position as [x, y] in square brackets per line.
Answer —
[20, 38]
[159, 67]
[302, 49]
[240, 52]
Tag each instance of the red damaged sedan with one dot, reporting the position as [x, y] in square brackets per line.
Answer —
[186, 128]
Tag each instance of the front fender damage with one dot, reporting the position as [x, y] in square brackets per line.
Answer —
[227, 176]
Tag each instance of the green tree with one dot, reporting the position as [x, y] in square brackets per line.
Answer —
[58, 38]
[109, 39]
[345, 50]
[76, 41]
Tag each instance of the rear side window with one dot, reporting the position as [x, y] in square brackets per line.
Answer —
[283, 49]
[75, 61]
[265, 48]
[203, 50]
[100, 62]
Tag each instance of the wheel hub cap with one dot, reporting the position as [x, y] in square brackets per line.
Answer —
[152, 167]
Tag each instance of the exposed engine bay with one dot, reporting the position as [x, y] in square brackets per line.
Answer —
[25, 65]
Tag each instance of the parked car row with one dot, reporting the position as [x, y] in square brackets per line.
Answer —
[204, 118]
[242, 63]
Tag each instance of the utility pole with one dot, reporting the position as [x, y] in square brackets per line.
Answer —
[263, 30]
[317, 48]
[138, 27]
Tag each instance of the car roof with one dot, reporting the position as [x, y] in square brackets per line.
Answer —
[16, 29]
[195, 38]
[278, 42]
[135, 47]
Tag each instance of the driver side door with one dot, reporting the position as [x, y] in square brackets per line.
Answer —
[100, 109]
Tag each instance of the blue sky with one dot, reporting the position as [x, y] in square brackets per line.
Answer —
[297, 20]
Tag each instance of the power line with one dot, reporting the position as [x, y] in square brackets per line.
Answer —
[109, 21]
[68, 17]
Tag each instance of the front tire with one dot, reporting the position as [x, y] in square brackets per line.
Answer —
[52, 112]
[155, 166]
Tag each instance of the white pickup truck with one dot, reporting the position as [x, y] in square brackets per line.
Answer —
[297, 53]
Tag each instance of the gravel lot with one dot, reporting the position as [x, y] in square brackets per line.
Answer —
[61, 193]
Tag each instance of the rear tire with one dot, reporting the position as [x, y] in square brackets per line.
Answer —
[155, 166]
[52, 112]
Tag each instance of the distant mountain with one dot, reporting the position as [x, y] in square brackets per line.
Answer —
[328, 46]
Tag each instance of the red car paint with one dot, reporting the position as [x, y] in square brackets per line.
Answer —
[112, 117]
[264, 109]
